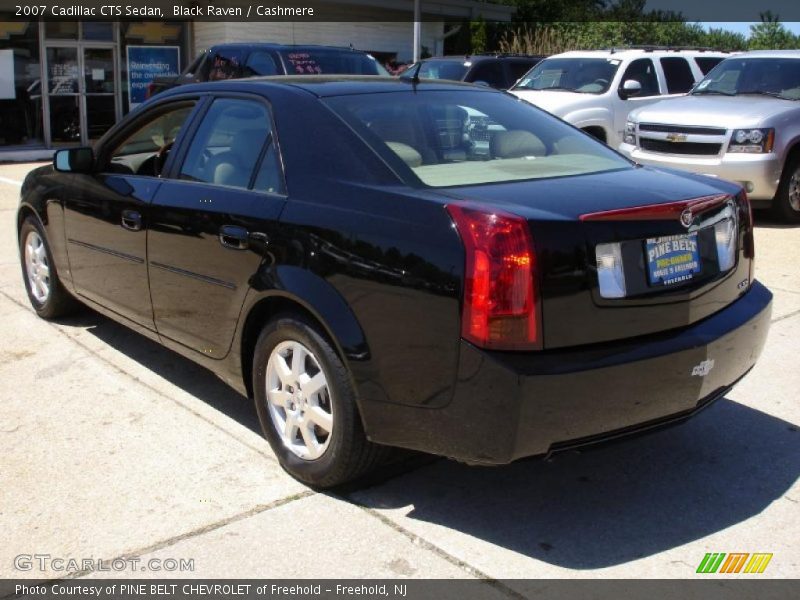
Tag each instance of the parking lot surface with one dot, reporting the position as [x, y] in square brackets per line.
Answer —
[114, 447]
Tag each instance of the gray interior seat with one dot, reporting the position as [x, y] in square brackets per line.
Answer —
[235, 166]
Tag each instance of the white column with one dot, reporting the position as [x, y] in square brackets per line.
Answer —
[417, 29]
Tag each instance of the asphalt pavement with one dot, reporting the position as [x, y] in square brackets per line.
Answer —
[112, 447]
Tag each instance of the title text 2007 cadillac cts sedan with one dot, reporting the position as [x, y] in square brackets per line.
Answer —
[388, 263]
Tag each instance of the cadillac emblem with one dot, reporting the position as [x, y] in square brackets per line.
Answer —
[687, 217]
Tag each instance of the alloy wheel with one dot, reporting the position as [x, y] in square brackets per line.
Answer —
[37, 267]
[299, 400]
[794, 190]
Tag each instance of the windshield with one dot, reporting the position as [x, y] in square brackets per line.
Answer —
[323, 62]
[582, 75]
[778, 77]
[455, 138]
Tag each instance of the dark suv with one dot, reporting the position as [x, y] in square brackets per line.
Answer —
[234, 61]
[499, 71]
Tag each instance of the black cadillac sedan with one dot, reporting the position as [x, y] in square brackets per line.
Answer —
[380, 262]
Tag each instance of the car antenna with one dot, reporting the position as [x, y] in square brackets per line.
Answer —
[415, 76]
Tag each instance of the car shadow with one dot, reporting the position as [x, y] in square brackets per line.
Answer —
[615, 502]
[764, 219]
[179, 371]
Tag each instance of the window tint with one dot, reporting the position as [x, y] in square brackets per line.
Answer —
[260, 62]
[228, 142]
[706, 63]
[678, 74]
[225, 63]
[490, 72]
[643, 71]
[145, 151]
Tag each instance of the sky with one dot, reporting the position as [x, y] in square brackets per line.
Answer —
[741, 27]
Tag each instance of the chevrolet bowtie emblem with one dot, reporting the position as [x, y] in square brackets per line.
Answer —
[676, 137]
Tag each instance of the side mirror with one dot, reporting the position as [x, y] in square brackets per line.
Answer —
[630, 88]
[74, 160]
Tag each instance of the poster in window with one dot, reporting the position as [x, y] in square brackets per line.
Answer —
[146, 63]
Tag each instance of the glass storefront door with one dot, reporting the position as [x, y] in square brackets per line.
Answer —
[82, 82]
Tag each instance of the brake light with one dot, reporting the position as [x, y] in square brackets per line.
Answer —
[501, 307]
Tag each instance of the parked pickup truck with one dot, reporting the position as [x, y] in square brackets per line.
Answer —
[595, 90]
[742, 123]
[232, 61]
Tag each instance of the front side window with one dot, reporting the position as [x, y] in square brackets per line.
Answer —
[643, 71]
[229, 144]
[582, 75]
[145, 150]
[260, 62]
[455, 138]
[778, 77]
[225, 63]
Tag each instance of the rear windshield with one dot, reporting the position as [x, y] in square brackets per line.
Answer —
[453, 70]
[582, 75]
[325, 62]
[778, 77]
[455, 138]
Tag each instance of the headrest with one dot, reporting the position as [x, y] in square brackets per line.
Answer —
[248, 142]
[410, 156]
[516, 144]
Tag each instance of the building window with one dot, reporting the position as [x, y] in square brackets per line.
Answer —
[20, 84]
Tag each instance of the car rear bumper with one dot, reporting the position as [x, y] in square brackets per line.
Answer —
[758, 174]
[509, 405]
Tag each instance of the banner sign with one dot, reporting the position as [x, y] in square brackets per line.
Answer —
[145, 63]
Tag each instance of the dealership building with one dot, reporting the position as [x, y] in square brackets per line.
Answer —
[64, 83]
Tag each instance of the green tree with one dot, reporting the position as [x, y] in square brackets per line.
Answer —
[770, 34]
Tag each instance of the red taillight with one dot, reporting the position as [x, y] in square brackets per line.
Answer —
[500, 301]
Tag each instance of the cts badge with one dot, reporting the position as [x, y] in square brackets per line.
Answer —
[703, 368]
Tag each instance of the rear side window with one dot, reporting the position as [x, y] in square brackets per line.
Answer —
[324, 62]
[490, 72]
[229, 143]
[706, 63]
[643, 71]
[678, 74]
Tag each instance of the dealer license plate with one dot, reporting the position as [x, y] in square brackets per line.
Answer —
[672, 259]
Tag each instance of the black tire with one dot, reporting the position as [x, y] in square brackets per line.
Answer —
[788, 193]
[58, 302]
[349, 455]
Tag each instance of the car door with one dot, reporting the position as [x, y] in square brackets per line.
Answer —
[642, 70]
[106, 212]
[210, 225]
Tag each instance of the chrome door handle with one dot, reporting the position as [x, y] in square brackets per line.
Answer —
[234, 237]
[132, 220]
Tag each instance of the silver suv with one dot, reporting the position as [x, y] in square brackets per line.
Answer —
[741, 122]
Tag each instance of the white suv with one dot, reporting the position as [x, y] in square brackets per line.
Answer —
[596, 89]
